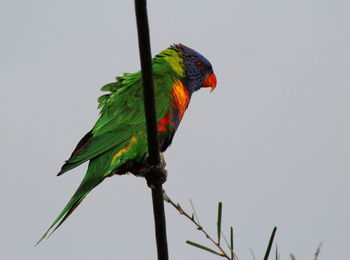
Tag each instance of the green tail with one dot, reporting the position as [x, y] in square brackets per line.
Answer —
[96, 173]
[85, 187]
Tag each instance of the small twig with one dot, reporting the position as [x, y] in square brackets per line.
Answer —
[318, 251]
[199, 227]
[194, 212]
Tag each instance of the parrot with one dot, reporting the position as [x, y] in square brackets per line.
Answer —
[117, 143]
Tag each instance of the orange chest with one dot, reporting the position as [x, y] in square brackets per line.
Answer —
[180, 98]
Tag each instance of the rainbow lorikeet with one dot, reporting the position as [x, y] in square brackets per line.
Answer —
[117, 143]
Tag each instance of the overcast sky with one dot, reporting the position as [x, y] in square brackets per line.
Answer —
[271, 142]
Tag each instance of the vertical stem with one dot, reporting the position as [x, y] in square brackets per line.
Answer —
[159, 220]
[266, 257]
[151, 122]
[147, 80]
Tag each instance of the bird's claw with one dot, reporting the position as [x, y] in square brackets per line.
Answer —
[154, 180]
[155, 174]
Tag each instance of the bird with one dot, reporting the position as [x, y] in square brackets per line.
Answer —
[117, 143]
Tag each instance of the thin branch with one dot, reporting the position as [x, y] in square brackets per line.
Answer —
[147, 80]
[194, 212]
[151, 121]
[199, 227]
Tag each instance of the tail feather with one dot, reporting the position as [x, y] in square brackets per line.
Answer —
[68, 166]
[67, 214]
[85, 187]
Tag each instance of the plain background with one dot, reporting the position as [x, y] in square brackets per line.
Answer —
[272, 142]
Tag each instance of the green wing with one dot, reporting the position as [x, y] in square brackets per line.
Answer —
[122, 115]
[122, 120]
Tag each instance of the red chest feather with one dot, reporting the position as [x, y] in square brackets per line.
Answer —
[179, 103]
[179, 98]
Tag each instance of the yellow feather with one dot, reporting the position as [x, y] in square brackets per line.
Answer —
[175, 61]
[133, 139]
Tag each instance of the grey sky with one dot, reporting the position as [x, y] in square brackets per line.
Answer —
[272, 142]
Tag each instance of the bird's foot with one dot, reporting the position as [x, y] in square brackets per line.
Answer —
[156, 177]
[155, 174]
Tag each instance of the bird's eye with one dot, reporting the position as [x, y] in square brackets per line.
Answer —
[199, 64]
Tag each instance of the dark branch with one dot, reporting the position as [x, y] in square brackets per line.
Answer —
[147, 80]
[151, 123]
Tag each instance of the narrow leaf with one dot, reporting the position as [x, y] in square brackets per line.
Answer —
[266, 257]
[231, 242]
[253, 255]
[203, 247]
[219, 221]
[228, 245]
[194, 212]
[165, 197]
[318, 251]
[292, 257]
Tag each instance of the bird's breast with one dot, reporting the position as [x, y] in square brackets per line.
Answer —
[180, 98]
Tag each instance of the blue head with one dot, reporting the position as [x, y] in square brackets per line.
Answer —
[199, 71]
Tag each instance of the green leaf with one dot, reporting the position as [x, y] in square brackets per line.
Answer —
[203, 247]
[165, 197]
[194, 212]
[219, 221]
[252, 253]
[318, 251]
[266, 257]
[231, 242]
[292, 257]
[233, 255]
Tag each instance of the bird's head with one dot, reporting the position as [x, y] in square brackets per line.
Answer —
[199, 71]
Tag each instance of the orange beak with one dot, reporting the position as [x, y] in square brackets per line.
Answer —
[210, 82]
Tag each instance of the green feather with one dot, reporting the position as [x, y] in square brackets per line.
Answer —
[122, 122]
